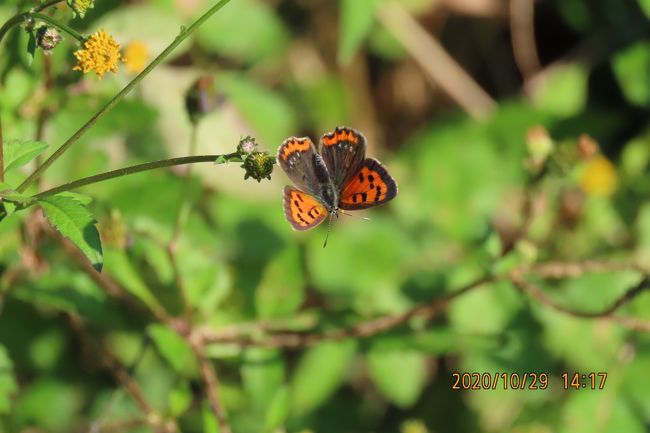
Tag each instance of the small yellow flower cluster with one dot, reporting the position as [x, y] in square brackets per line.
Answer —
[80, 7]
[136, 55]
[100, 54]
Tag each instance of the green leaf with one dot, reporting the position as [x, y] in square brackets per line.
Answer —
[265, 35]
[120, 268]
[399, 375]
[172, 347]
[645, 7]
[278, 410]
[17, 153]
[76, 223]
[320, 372]
[10, 194]
[262, 374]
[357, 18]
[269, 112]
[281, 291]
[7, 381]
[588, 411]
[564, 91]
[632, 69]
[180, 399]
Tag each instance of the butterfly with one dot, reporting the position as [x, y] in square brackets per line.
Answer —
[332, 177]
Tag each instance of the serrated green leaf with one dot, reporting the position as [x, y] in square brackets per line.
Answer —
[319, 374]
[399, 375]
[76, 223]
[17, 153]
[7, 381]
[357, 18]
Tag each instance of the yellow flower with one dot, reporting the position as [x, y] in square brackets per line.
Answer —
[599, 177]
[136, 55]
[100, 54]
[79, 7]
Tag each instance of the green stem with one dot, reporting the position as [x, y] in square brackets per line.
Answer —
[63, 27]
[134, 169]
[61, 150]
[15, 20]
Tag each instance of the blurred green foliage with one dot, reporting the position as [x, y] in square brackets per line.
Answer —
[288, 68]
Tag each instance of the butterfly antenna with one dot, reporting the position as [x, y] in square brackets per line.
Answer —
[353, 215]
[329, 226]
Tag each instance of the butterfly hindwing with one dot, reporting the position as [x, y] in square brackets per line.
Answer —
[302, 210]
[343, 151]
[370, 186]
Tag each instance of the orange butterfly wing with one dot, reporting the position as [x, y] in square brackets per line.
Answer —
[302, 210]
[371, 186]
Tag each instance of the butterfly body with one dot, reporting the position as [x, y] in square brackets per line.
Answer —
[332, 177]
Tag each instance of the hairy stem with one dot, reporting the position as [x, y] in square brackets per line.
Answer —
[117, 98]
[131, 170]
[59, 25]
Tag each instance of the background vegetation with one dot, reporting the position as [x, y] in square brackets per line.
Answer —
[519, 242]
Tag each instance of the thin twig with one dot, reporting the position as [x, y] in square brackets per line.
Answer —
[361, 330]
[538, 294]
[522, 28]
[212, 388]
[558, 270]
[440, 67]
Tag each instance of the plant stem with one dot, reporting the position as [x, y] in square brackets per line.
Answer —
[63, 27]
[131, 170]
[16, 19]
[61, 150]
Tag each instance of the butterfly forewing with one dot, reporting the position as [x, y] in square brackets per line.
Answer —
[296, 157]
[370, 186]
[302, 210]
[343, 151]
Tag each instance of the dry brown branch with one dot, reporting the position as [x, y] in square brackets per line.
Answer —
[532, 290]
[439, 66]
[524, 48]
[557, 269]
[369, 328]
[211, 388]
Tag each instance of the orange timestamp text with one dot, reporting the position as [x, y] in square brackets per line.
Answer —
[498, 380]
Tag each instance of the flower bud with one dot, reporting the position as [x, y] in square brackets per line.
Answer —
[258, 165]
[47, 38]
[247, 145]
